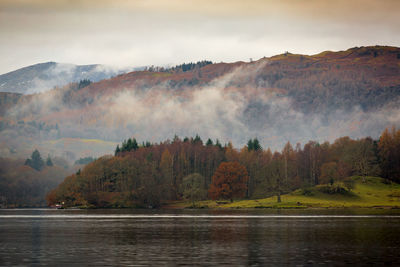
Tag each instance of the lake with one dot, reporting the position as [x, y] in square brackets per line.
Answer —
[199, 237]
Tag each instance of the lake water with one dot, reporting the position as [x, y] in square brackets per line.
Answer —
[159, 238]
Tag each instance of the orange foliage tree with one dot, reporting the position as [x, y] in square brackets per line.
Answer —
[229, 181]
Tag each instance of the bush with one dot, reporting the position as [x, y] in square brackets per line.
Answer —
[349, 184]
[336, 188]
[307, 192]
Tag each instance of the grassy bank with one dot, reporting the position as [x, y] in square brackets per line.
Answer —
[372, 193]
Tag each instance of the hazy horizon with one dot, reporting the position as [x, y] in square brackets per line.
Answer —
[141, 33]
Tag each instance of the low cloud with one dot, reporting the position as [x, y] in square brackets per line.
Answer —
[216, 110]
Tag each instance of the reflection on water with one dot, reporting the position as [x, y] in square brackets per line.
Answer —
[128, 237]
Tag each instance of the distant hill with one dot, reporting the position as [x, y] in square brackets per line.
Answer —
[44, 76]
[291, 97]
[368, 77]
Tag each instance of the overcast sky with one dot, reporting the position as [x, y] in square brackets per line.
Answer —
[161, 32]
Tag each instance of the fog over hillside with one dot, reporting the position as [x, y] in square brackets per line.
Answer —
[284, 98]
[44, 76]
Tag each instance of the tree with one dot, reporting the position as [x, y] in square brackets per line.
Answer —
[197, 140]
[128, 146]
[117, 150]
[389, 154]
[167, 171]
[48, 161]
[135, 145]
[364, 159]
[287, 154]
[229, 181]
[209, 142]
[36, 162]
[329, 173]
[193, 187]
[276, 172]
[254, 144]
[250, 145]
[83, 83]
[218, 144]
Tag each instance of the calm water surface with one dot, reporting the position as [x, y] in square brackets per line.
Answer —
[159, 238]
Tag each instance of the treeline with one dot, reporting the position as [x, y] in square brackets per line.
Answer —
[148, 175]
[180, 68]
[190, 66]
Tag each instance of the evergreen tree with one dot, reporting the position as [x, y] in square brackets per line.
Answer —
[209, 142]
[218, 144]
[176, 139]
[256, 145]
[48, 161]
[36, 162]
[250, 145]
[129, 145]
[197, 140]
[123, 147]
[117, 150]
[135, 145]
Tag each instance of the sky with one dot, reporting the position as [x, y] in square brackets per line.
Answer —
[137, 33]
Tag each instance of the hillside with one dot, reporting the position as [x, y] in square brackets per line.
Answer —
[44, 76]
[373, 193]
[366, 76]
[285, 97]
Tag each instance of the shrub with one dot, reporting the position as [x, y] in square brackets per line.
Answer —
[349, 184]
[307, 192]
[336, 188]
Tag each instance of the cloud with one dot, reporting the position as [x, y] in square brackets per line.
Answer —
[61, 74]
[155, 32]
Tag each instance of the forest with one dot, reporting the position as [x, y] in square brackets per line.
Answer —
[150, 175]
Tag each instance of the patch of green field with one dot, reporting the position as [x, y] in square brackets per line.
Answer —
[371, 193]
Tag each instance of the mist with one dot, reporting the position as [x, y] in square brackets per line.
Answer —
[224, 109]
[43, 77]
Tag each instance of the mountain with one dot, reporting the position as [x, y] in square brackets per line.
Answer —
[285, 97]
[44, 76]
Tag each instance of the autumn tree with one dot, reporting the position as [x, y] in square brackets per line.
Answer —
[166, 167]
[329, 173]
[276, 172]
[389, 153]
[364, 158]
[229, 181]
[193, 188]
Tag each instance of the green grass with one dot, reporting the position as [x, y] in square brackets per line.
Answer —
[372, 193]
